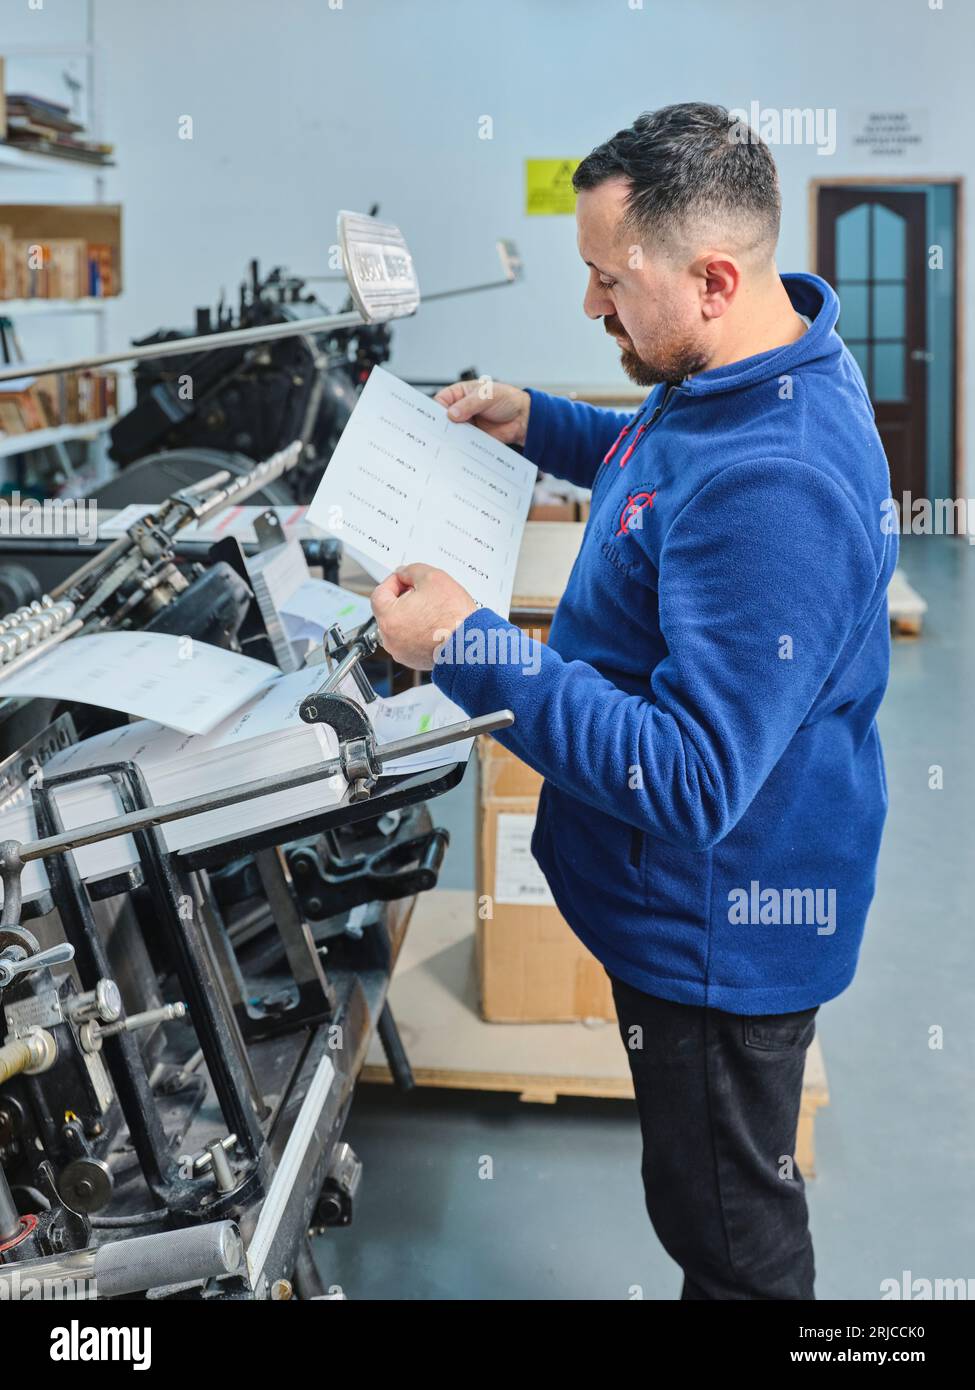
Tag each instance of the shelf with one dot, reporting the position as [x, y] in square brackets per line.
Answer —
[28, 308]
[11, 444]
[22, 161]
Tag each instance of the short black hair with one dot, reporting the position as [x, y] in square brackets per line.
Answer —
[686, 162]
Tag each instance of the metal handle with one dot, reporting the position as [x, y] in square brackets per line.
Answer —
[12, 964]
[349, 648]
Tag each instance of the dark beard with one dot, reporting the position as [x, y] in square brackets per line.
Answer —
[683, 363]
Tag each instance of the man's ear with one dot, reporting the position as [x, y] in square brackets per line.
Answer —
[719, 277]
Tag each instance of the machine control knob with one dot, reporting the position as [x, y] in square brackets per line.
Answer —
[103, 1004]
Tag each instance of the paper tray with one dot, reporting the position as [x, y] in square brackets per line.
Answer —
[393, 792]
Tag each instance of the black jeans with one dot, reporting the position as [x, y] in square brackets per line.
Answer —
[718, 1097]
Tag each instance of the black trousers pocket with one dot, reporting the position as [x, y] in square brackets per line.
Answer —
[779, 1032]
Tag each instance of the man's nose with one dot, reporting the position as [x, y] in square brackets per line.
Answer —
[597, 303]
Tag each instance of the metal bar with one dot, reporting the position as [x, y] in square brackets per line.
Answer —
[231, 489]
[396, 1058]
[246, 791]
[9, 1215]
[362, 645]
[120, 1267]
[122, 1052]
[208, 342]
[198, 976]
[427, 298]
[467, 289]
[316, 998]
[245, 483]
[231, 982]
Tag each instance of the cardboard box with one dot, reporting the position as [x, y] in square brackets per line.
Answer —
[531, 967]
[554, 499]
[553, 509]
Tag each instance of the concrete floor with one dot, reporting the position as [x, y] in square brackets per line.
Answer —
[563, 1217]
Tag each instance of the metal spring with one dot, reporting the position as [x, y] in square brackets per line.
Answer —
[31, 625]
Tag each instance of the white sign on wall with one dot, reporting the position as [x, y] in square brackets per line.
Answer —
[889, 134]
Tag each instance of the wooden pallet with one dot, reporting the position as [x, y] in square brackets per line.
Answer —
[905, 605]
[434, 1001]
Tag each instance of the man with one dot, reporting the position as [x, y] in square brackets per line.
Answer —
[703, 714]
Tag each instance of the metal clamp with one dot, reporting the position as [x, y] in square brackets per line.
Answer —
[357, 742]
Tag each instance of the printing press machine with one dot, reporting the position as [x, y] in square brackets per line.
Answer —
[179, 1043]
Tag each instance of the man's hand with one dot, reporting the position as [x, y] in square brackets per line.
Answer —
[417, 608]
[499, 410]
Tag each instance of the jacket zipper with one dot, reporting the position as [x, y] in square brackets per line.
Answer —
[671, 388]
[640, 432]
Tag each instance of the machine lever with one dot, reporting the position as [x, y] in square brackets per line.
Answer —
[14, 961]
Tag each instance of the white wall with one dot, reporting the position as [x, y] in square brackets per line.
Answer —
[300, 109]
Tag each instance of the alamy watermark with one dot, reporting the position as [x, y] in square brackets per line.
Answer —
[786, 125]
[756, 906]
[54, 516]
[18, 1286]
[494, 646]
[909, 1288]
[928, 516]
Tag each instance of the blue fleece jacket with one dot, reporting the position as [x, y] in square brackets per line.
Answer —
[704, 711]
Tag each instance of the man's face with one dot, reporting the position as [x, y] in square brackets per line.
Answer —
[651, 308]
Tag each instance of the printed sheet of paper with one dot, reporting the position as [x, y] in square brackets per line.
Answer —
[418, 711]
[151, 675]
[312, 609]
[407, 484]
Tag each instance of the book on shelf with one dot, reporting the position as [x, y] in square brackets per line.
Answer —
[66, 398]
[56, 268]
[40, 126]
[49, 114]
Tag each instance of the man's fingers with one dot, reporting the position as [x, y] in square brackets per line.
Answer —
[385, 594]
[468, 405]
[449, 394]
[414, 574]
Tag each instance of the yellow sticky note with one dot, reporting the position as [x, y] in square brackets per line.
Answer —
[548, 186]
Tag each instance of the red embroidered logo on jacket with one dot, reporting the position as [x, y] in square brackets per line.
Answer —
[630, 515]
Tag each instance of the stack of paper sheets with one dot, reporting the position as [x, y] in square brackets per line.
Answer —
[274, 575]
[264, 738]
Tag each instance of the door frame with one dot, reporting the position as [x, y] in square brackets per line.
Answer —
[958, 277]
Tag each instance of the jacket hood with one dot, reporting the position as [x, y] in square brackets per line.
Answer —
[810, 296]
